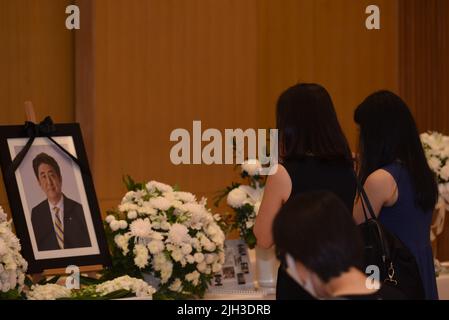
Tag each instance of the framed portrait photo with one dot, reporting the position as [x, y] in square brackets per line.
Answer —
[52, 199]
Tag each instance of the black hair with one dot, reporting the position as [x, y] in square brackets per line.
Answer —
[388, 133]
[45, 158]
[317, 229]
[308, 125]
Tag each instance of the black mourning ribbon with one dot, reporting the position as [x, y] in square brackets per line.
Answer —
[45, 128]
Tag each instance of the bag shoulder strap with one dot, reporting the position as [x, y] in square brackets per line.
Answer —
[365, 200]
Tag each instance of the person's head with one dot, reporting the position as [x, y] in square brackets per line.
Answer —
[388, 133]
[308, 125]
[48, 175]
[318, 232]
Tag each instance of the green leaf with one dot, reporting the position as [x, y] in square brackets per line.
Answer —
[52, 280]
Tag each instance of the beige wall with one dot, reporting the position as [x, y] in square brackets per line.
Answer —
[161, 64]
[325, 41]
[139, 69]
[36, 62]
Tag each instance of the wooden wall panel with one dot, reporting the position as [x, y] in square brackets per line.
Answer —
[159, 66]
[424, 70]
[424, 61]
[36, 62]
[326, 41]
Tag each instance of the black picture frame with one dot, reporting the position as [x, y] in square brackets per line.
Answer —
[17, 210]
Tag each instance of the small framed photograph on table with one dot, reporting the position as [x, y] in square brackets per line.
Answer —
[52, 196]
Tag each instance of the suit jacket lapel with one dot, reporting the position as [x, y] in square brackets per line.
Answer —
[68, 217]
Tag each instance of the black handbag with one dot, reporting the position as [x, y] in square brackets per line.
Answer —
[397, 265]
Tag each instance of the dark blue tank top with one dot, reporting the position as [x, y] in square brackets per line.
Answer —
[411, 225]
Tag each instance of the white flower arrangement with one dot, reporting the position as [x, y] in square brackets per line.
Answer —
[12, 265]
[436, 148]
[137, 286]
[246, 200]
[50, 291]
[113, 289]
[163, 232]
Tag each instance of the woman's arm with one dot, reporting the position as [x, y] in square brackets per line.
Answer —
[381, 190]
[277, 190]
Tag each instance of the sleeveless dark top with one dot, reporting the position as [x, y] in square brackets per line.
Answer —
[311, 174]
[411, 225]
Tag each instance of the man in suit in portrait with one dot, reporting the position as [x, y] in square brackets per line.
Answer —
[58, 222]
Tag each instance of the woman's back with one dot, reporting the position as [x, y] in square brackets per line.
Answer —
[411, 225]
[311, 174]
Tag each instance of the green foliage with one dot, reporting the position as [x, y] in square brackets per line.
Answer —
[11, 295]
[131, 185]
[238, 221]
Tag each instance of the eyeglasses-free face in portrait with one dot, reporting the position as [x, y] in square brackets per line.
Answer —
[58, 221]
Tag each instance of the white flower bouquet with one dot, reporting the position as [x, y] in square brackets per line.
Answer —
[167, 234]
[12, 265]
[436, 148]
[245, 199]
[121, 287]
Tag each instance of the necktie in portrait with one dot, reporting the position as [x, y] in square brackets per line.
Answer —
[58, 228]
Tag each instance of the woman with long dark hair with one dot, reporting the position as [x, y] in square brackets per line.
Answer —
[398, 181]
[314, 155]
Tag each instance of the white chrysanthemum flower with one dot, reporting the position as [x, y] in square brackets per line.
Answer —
[156, 246]
[177, 255]
[48, 292]
[444, 173]
[114, 225]
[199, 257]
[139, 287]
[178, 234]
[160, 203]
[123, 224]
[190, 259]
[132, 215]
[166, 271]
[110, 218]
[216, 267]
[211, 258]
[176, 286]
[141, 256]
[236, 198]
[126, 207]
[146, 209]
[252, 167]
[161, 187]
[128, 197]
[193, 277]
[165, 225]
[186, 249]
[201, 267]
[185, 197]
[249, 224]
[196, 244]
[141, 228]
[193, 208]
[122, 242]
[3, 247]
[434, 164]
